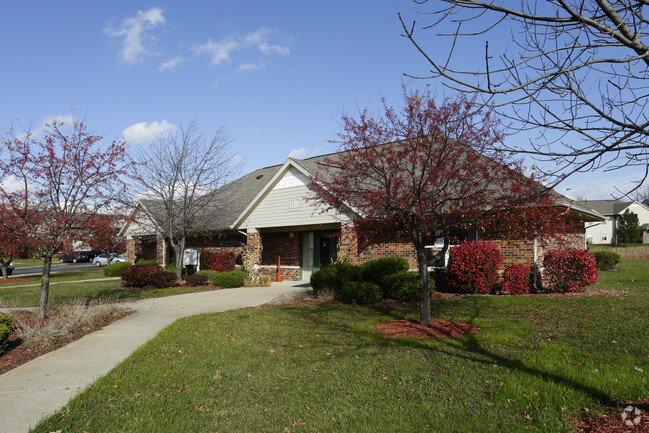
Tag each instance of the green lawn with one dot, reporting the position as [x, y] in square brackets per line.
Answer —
[14, 294]
[534, 363]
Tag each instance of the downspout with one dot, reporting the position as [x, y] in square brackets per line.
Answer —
[535, 267]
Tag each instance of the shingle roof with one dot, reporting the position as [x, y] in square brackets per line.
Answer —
[606, 207]
[220, 213]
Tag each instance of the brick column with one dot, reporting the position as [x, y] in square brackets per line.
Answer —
[161, 250]
[130, 250]
[348, 250]
[254, 238]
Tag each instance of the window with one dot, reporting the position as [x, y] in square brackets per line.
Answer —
[589, 238]
[604, 237]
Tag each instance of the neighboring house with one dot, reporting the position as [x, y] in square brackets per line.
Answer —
[605, 232]
[273, 209]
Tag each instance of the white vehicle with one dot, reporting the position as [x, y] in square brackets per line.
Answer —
[100, 260]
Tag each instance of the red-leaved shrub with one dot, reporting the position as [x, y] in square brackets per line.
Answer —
[516, 279]
[142, 276]
[222, 261]
[473, 266]
[569, 270]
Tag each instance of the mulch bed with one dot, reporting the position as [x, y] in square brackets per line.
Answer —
[438, 329]
[611, 420]
[17, 354]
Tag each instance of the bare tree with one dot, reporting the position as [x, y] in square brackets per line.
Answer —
[179, 181]
[575, 72]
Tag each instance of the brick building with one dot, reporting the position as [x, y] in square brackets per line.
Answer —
[273, 207]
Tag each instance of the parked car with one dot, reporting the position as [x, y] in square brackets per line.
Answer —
[101, 260]
[76, 256]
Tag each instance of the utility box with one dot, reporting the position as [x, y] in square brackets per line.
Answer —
[191, 257]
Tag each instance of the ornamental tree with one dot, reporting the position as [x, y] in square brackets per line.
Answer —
[55, 184]
[105, 234]
[14, 238]
[424, 172]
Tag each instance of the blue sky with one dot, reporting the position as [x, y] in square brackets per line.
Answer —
[276, 75]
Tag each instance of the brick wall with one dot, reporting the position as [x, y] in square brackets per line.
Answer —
[130, 250]
[280, 245]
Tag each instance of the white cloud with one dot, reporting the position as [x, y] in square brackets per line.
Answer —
[221, 51]
[171, 64]
[143, 132]
[135, 31]
[237, 158]
[12, 184]
[67, 120]
[298, 153]
[249, 67]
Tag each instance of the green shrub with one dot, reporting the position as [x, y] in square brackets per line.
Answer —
[5, 332]
[360, 292]
[229, 279]
[375, 270]
[210, 274]
[115, 269]
[197, 280]
[607, 260]
[147, 263]
[333, 277]
[403, 286]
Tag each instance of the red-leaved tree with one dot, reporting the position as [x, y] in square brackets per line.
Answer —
[423, 172]
[105, 234]
[15, 239]
[56, 183]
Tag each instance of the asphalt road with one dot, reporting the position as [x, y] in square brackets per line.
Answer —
[56, 267]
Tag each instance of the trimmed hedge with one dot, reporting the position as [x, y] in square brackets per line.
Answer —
[607, 260]
[147, 263]
[377, 269]
[115, 269]
[334, 277]
[143, 276]
[360, 292]
[570, 270]
[210, 274]
[403, 286]
[5, 332]
[228, 280]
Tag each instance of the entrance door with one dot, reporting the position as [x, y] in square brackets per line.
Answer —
[307, 255]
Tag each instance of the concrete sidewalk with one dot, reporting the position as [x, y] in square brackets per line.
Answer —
[42, 386]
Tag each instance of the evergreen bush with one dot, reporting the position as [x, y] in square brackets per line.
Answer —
[333, 277]
[115, 269]
[5, 332]
[607, 260]
[360, 292]
[375, 270]
[147, 263]
[143, 276]
[403, 286]
[229, 279]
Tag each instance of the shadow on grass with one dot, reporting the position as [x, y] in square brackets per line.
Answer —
[467, 348]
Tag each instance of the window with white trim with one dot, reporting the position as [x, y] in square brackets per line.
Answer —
[604, 237]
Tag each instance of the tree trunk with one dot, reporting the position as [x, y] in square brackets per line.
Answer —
[5, 271]
[179, 251]
[424, 286]
[45, 285]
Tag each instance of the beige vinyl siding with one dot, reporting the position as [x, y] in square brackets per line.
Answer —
[288, 207]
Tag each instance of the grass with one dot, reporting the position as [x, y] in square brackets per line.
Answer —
[17, 295]
[536, 361]
[23, 263]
